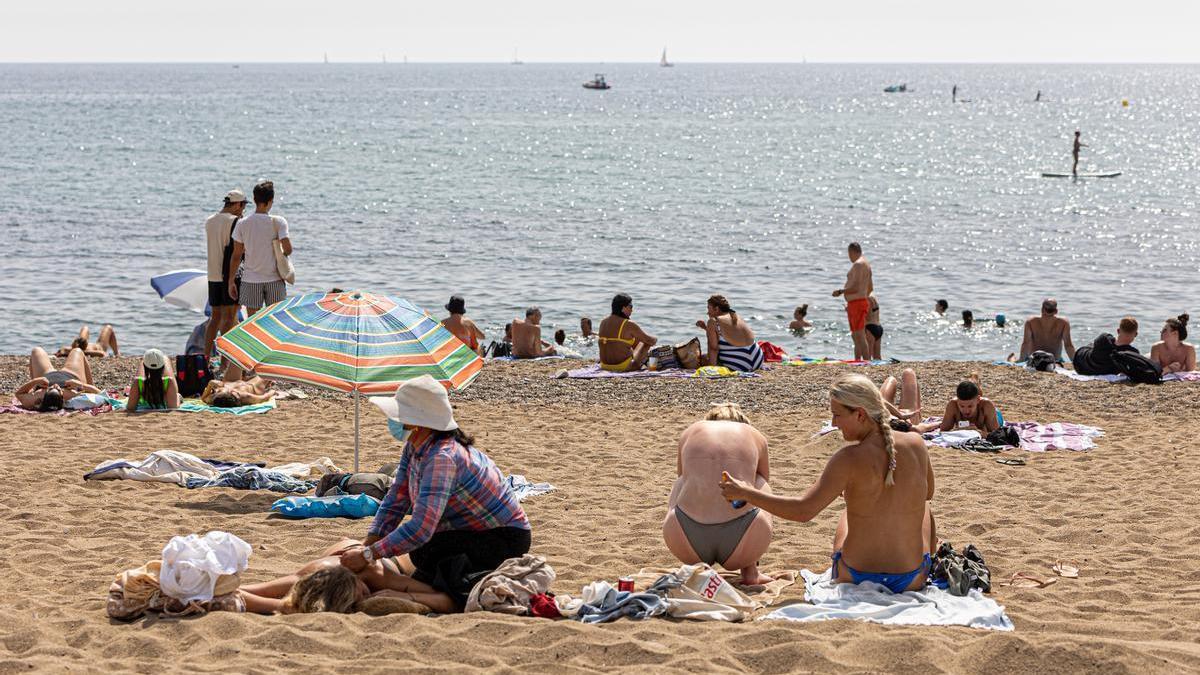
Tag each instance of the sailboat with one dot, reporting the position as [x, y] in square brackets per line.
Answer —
[664, 62]
[516, 61]
[326, 58]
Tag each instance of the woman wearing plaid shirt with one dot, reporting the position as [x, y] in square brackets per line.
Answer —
[465, 520]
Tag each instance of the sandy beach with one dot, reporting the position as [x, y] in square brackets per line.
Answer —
[1126, 512]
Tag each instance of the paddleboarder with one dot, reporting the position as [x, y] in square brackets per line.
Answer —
[1075, 155]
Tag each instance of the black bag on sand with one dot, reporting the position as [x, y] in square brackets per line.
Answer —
[191, 371]
[961, 571]
[1005, 435]
[1139, 368]
[1041, 361]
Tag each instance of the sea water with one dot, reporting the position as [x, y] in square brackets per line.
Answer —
[514, 186]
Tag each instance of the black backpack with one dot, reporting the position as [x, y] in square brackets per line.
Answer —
[1041, 361]
[191, 371]
[1139, 368]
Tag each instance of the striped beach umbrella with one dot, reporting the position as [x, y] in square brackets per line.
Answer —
[183, 288]
[351, 341]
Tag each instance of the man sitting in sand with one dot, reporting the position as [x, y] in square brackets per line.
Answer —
[624, 346]
[237, 390]
[701, 526]
[99, 349]
[1047, 333]
[527, 336]
[859, 286]
[48, 389]
[887, 532]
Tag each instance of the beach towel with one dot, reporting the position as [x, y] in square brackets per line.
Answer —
[603, 603]
[815, 361]
[595, 372]
[717, 372]
[536, 358]
[1187, 376]
[161, 466]
[339, 506]
[772, 353]
[522, 488]
[14, 407]
[252, 478]
[511, 586]
[764, 595]
[869, 601]
[1037, 437]
[196, 405]
[308, 470]
[951, 439]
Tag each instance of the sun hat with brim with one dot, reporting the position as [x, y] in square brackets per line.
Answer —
[154, 359]
[420, 402]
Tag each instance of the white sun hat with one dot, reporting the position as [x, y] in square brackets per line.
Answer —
[420, 402]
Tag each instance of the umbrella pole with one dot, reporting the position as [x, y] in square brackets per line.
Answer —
[355, 431]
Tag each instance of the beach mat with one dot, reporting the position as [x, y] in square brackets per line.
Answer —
[14, 407]
[192, 405]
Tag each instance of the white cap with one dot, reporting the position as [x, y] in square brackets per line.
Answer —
[421, 402]
[154, 359]
[235, 195]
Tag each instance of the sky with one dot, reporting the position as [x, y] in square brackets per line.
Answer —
[966, 31]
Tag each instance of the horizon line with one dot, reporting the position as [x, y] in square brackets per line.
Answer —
[592, 63]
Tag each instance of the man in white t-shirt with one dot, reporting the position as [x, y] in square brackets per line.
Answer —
[254, 237]
[218, 230]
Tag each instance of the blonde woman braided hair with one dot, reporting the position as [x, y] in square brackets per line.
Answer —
[856, 391]
[726, 412]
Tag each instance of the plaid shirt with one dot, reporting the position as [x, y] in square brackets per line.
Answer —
[445, 486]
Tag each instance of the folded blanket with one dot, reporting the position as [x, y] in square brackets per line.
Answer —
[15, 408]
[951, 439]
[869, 601]
[341, 506]
[595, 372]
[196, 405]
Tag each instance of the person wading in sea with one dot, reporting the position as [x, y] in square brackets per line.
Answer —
[859, 286]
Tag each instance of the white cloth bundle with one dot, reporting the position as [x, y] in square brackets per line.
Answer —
[191, 565]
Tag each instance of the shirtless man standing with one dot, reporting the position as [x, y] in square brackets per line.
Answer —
[527, 336]
[1048, 333]
[701, 525]
[859, 286]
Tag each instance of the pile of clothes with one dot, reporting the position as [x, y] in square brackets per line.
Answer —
[958, 572]
[195, 575]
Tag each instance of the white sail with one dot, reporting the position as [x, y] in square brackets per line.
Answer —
[663, 61]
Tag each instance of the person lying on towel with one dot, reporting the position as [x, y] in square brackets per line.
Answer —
[465, 519]
[48, 389]
[887, 533]
[701, 526]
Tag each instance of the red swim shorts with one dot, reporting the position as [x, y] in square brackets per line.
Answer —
[856, 312]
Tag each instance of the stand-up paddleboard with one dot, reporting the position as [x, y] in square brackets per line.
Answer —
[1110, 174]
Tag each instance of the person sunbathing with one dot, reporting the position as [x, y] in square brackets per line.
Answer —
[800, 322]
[235, 390]
[624, 346]
[465, 518]
[887, 482]
[48, 389]
[461, 327]
[731, 341]
[701, 526]
[1172, 353]
[107, 343]
[909, 405]
[967, 410]
[154, 387]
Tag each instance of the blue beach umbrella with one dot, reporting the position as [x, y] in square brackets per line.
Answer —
[184, 288]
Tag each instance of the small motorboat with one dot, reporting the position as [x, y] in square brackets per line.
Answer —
[896, 89]
[597, 82]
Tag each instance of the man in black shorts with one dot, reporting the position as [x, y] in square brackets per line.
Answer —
[218, 230]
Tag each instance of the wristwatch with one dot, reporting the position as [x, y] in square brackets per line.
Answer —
[367, 554]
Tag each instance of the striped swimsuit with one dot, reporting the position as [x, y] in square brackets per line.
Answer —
[746, 359]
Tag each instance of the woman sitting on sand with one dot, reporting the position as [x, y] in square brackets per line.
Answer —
[1172, 353]
[800, 322]
[154, 387]
[624, 346]
[461, 327]
[701, 526]
[464, 520]
[731, 341]
[107, 343]
[887, 481]
[48, 389]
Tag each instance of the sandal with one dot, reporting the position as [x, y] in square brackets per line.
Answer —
[1026, 580]
[1011, 461]
[1067, 569]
